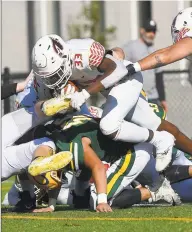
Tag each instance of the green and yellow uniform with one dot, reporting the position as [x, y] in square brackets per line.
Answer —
[158, 110]
[70, 139]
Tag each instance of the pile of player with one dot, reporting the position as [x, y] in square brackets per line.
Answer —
[56, 133]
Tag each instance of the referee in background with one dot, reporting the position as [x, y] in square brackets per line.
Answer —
[136, 50]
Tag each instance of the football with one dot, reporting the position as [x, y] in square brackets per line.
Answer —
[70, 88]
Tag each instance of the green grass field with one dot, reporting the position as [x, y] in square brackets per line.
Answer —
[156, 219]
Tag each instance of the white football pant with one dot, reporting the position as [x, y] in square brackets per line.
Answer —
[127, 112]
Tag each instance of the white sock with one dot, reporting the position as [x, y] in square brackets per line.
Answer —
[130, 132]
[155, 138]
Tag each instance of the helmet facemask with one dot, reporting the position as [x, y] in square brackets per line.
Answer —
[58, 79]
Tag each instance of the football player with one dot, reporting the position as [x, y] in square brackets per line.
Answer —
[181, 30]
[181, 173]
[74, 60]
[15, 160]
[81, 136]
[127, 197]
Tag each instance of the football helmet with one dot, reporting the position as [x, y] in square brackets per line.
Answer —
[182, 25]
[51, 61]
[47, 181]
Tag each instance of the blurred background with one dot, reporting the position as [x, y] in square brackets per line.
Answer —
[112, 23]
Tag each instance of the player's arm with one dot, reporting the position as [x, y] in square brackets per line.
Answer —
[113, 71]
[53, 195]
[168, 55]
[97, 168]
[8, 90]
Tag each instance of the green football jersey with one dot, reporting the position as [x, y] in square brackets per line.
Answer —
[158, 110]
[70, 139]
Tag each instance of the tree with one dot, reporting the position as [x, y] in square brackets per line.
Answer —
[90, 24]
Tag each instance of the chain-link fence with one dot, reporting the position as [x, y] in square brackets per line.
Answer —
[178, 87]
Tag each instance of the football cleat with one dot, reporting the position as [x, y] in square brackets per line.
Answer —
[166, 193]
[164, 142]
[55, 162]
[55, 105]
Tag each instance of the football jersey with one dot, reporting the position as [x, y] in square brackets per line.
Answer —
[69, 139]
[87, 55]
[34, 91]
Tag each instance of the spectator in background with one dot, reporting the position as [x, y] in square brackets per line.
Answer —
[140, 48]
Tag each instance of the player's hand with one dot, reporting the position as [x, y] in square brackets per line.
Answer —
[22, 85]
[103, 207]
[43, 210]
[164, 105]
[79, 98]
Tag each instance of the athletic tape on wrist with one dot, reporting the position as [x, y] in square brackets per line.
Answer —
[101, 198]
[52, 203]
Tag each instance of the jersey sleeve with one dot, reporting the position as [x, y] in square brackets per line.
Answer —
[96, 55]
[28, 97]
[158, 110]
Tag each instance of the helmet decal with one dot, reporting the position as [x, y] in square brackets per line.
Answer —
[58, 47]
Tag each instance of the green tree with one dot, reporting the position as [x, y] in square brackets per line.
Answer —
[89, 24]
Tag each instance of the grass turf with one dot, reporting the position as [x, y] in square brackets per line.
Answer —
[155, 219]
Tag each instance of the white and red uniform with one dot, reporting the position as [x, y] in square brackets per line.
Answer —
[87, 55]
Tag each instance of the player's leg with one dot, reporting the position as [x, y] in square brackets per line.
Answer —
[161, 190]
[16, 124]
[149, 176]
[179, 158]
[130, 196]
[151, 121]
[125, 170]
[184, 189]
[182, 141]
[13, 196]
[120, 101]
[16, 159]
[142, 108]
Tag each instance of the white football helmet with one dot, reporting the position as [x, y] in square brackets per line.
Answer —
[182, 25]
[51, 61]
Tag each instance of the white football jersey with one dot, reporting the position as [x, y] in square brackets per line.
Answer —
[87, 55]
